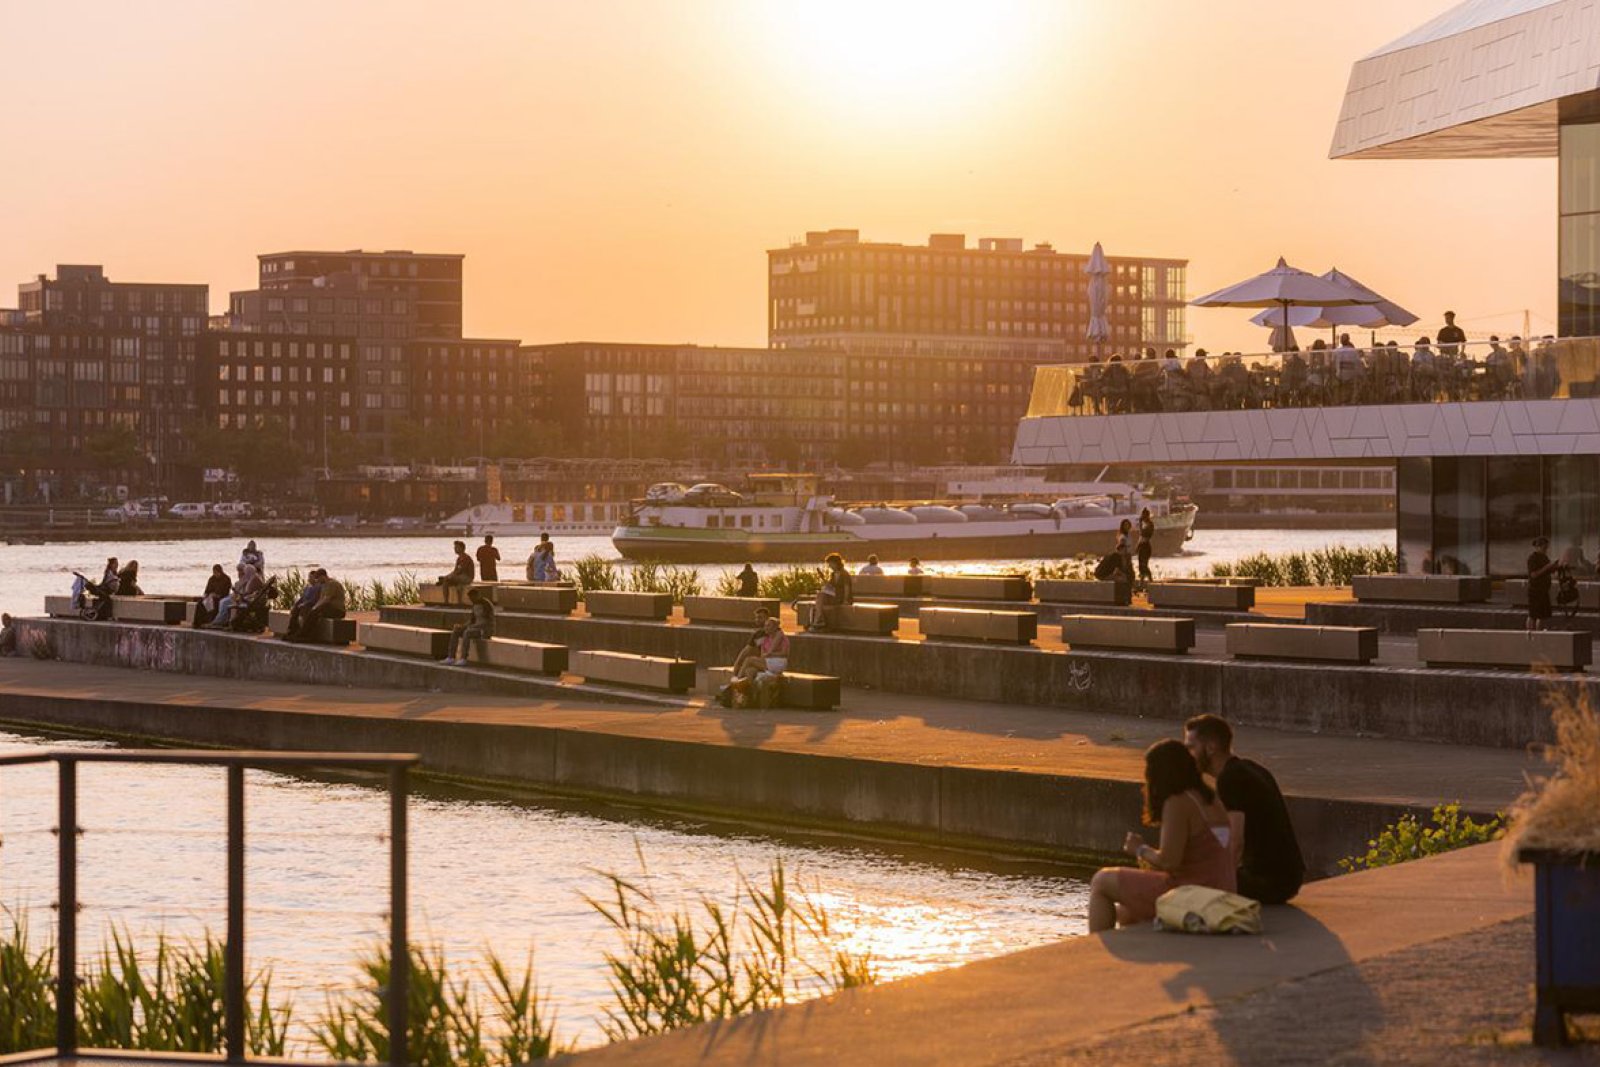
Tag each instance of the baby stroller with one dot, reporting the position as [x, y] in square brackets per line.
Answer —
[99, 608]
[251, 616]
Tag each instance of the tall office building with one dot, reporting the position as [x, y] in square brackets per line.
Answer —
[425, 286]
[942, 339]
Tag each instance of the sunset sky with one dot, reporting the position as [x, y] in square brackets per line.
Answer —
[615, 170]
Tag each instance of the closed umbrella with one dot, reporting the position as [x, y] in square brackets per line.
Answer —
[1099, 329]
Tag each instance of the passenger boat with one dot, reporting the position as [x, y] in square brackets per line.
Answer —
[787, 521]
[584, 518]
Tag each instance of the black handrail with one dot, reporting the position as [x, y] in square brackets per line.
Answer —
[396, 766]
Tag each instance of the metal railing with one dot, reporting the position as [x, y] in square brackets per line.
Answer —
[1536, 369]
[67, 830]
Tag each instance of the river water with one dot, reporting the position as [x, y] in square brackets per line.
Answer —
[487, 869]
[29, 572]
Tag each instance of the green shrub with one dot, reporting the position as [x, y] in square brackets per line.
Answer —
[1331, 566]
[1408, 839]
[1076, 569]
[792, 583]
[27, 989]
[727, 584]
[593, 572]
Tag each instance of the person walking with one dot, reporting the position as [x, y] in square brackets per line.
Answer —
[479, 628]
[749, 581]
[1147, 537]
[1541, 571]
[1271, 868]
[488, 559]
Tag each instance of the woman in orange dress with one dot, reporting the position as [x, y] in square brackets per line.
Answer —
[1198, 840]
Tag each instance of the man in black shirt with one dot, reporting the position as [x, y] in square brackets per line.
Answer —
[1271, 868]
[1451, 337]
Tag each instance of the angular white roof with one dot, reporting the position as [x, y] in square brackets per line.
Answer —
[1466, 16]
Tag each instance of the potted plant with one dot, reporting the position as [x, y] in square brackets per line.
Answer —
[1555, 827]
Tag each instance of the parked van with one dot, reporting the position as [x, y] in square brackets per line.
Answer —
[233, 509]
[187, 511]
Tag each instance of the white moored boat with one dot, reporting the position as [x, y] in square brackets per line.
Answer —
[787, 520]
[562, 519]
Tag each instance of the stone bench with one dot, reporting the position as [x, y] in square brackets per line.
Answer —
[512, 655]
[859, 618]
[1082, 591]
[1564, 650]
[896, 585]
[612, 604]
[1128, 633]
[1254, 583]
[60, 607]
[976, 586]
[328, 631]
[148, 609]
[436, 595]
[625, 668]
[727, 610]
[1195, 595]
[1337, 644]
[408, 640]
[538, 599]
[807, 692]
[1588, 594]
[972, 624]
[1421, 588]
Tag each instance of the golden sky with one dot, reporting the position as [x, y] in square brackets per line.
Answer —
[615, 170]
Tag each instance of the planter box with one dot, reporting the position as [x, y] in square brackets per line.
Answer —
[1566, 901]
[972, 624]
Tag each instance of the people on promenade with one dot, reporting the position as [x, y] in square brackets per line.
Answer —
[1125, 546]
[1541, 572]
[244, 589]
[218, 586]
[302, 603]
[8, 636]
[1196, 845]
[480, 627]
[914, 567]
[1271, 868]
[488, 559]
[749, 581]
[871, 567]
[254, 557]
[1147, 538]
[1450, 336]
[460, 576]
[128, 579]
[542, 564]
[836, 591]
[327, 603]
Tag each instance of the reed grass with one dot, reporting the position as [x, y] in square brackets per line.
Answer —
[368, 596]
[1558, 809]
[792, 583]
[1334, 565]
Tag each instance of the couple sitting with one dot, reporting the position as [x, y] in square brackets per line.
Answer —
[758, 669]
[322, 598]
[1237, 837]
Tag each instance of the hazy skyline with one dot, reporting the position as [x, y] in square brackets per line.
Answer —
[615, 171]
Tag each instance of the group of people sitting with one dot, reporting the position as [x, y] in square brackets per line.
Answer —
[92, 599]
[1222, 823]
[1322, 376]
[541, 566]
[238, 604]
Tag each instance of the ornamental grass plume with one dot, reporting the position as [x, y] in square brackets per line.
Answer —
[1561, 810]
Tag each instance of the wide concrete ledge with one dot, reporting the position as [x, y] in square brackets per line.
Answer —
[1563, 650]
[1202, 595]
[977, 586]
[327, 631]
[1041, 1005]
[876, 620]
[603, 603]
[1118, 632]
[406, 640]
[1588, 594]
[805, 692]
[1421, 588]
[1393, 618]
[887, 585]
[552, 599]
[511, 654]
[434, 593]
[147, 609]
[727, 610]
[1341, 644]
[1074, 591]
[976, 624]
[60, 607]
[628, 668]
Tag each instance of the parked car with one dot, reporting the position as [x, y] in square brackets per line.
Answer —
[231, 509]
[187, 511]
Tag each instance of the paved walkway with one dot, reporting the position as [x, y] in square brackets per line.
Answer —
[872, 725]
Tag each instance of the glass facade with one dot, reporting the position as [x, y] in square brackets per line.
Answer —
[1579, 238]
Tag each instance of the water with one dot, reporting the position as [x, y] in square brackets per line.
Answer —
[29, 572]
[486, 870]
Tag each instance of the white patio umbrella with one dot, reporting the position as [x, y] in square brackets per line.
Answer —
[1380, 312]
[1282, 288]
[1099, 328]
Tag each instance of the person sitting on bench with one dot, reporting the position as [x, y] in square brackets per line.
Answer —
[461, 577]
[479, 628]
[330, 604]
[747, 664]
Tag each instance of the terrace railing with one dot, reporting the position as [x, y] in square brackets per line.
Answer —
[396, 767]
[1546, 369]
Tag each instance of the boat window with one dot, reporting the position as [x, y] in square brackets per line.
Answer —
[713, 521]
[538, 513]
[744, 520]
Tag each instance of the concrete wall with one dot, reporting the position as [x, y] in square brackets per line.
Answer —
[1409, 618]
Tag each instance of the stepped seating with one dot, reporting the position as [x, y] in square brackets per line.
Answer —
[625, 668]
[895, 585]
[406, 640]
[727, 610]
[1563, 650]
[509, 654]
[1128, 633]
[972, 624]
[1334, 644]
[538, 599]
[1421, 588]
[878, 620]
[612, 604]
[60, 607]
[805, 692]
[1206, 597]
[1588, 594]
[326, 631]
[437, 595]
[1080, 591]
[976, 586]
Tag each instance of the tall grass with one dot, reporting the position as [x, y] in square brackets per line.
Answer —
[1331, 566]
[370, 596]
[791, 583]
[594, 572]
[27, 989]
[1558, 809]
[1077, 569]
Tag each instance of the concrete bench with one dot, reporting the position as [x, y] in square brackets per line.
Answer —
[60, 607]
[538, 599]
[434, 594]
[1206, 597]
[1128, 633]
[807, 692]
[618, 605]
[972, 624]
[625, 668]
[1081, 591]
[727, 610]
[1588, 594]
[409, 640]
[1564, 650]
[1254, 583]
[977, 586]
[1337, 644]
[328, 631]
[147, 609]
[513, 655]
[858, 618]
[896, 585]
[1421, 588]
